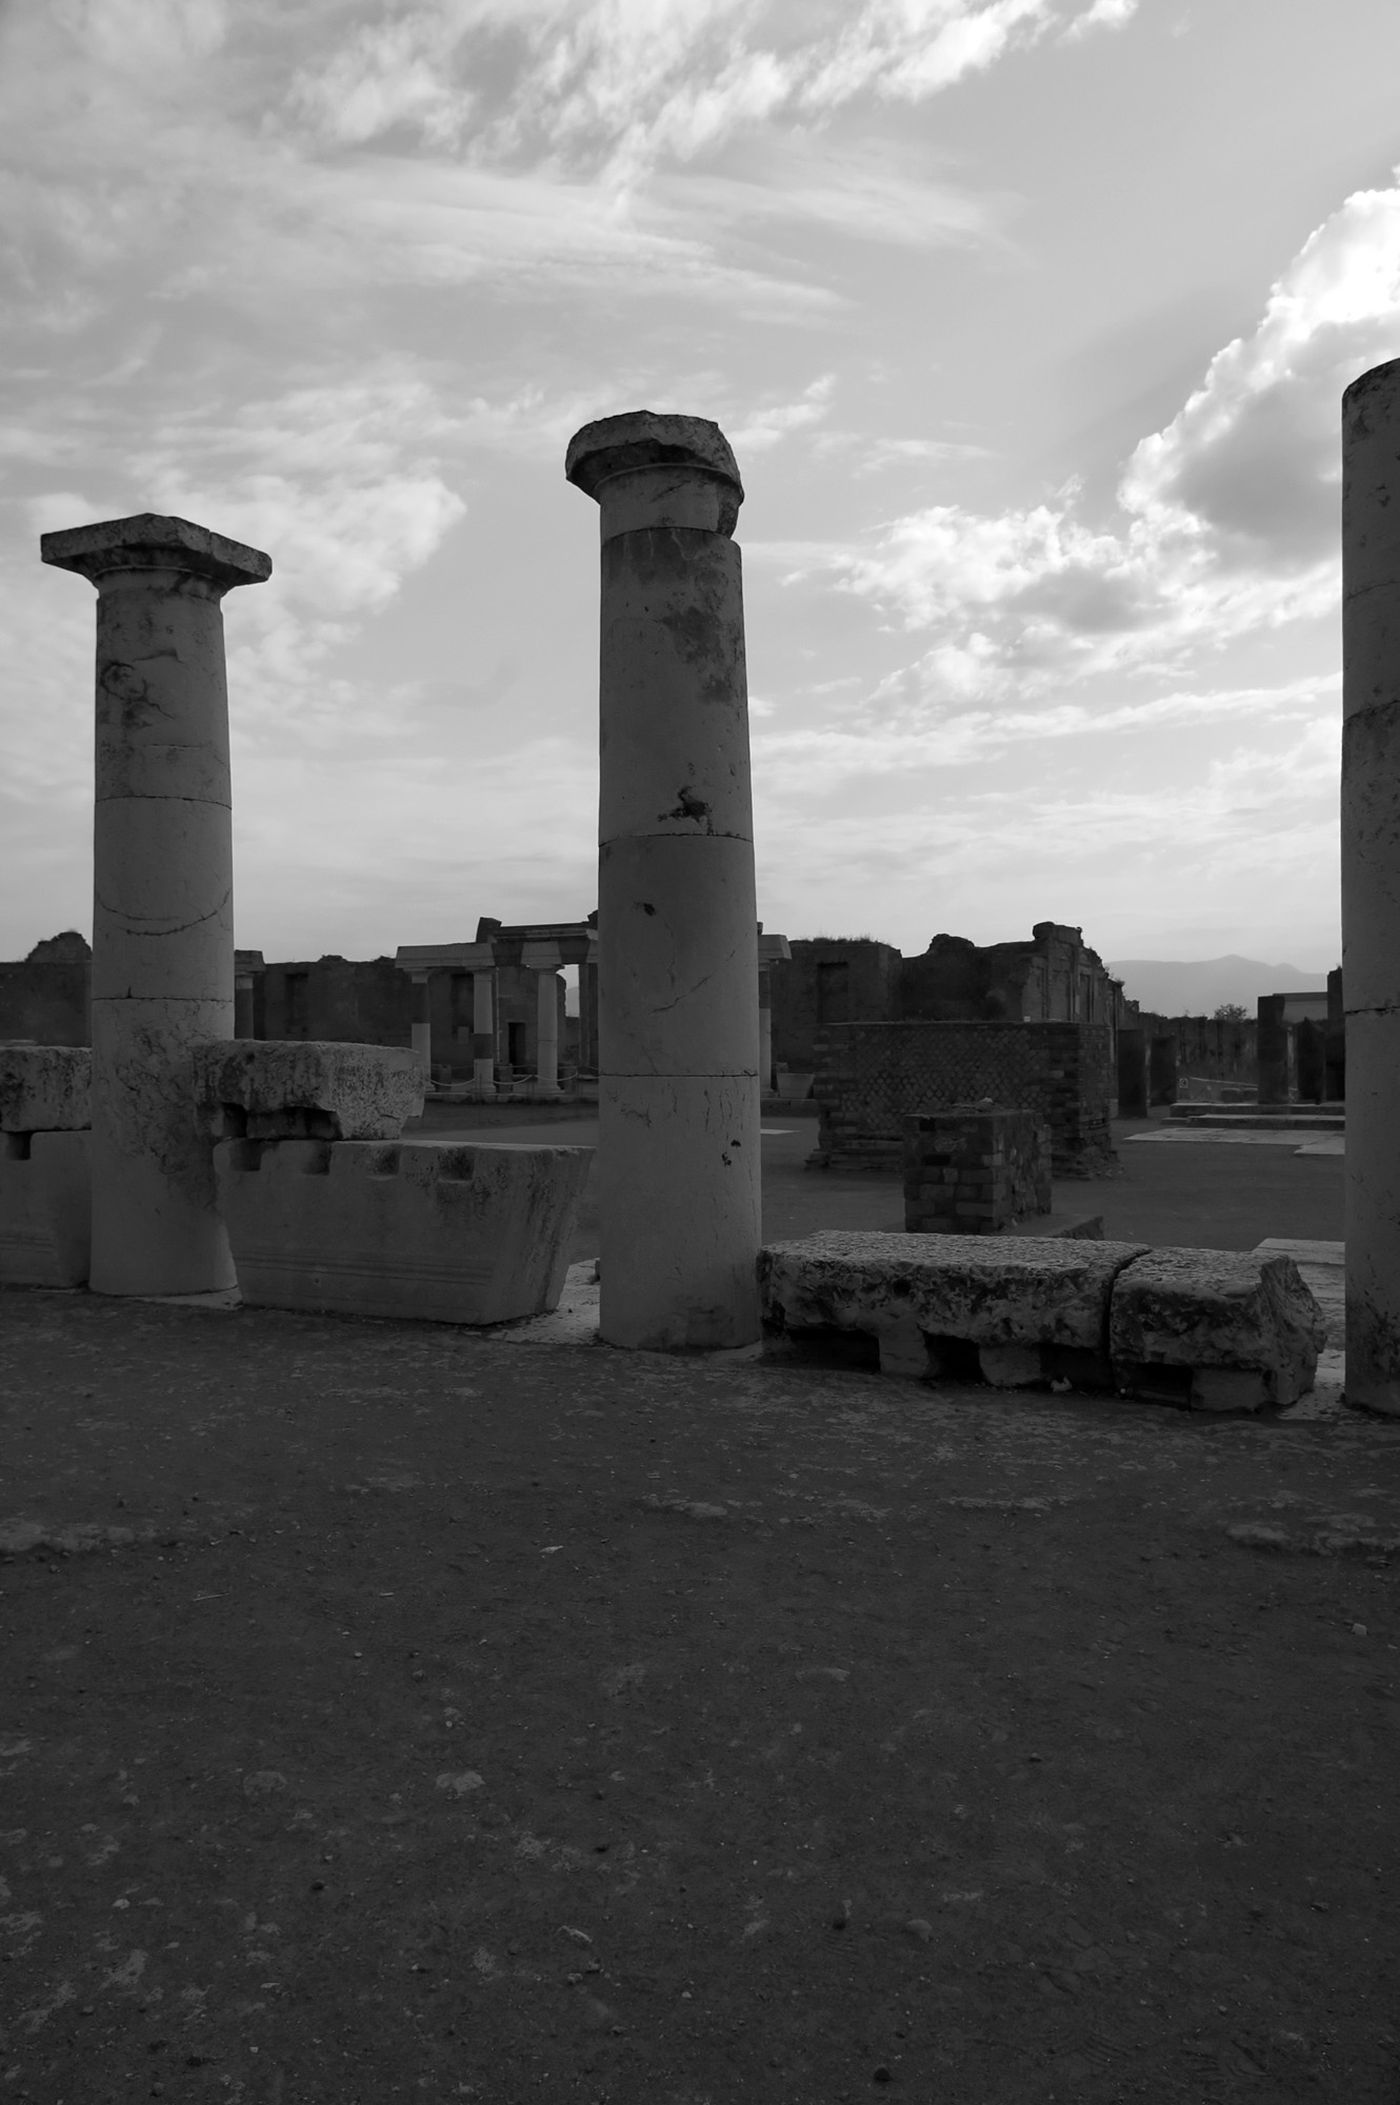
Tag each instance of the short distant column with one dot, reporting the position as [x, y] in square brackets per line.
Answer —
[1371, 880]
[484, 1031]
[542, 959]
[765, 1030]
[1132, 1072]
[422, 1028]
[678, 1153]
[162, 938]
[243, 1005]
[1271, 1049]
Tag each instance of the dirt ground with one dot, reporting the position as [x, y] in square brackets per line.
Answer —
[390, 1712]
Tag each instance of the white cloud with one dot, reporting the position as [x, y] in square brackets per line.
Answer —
[1228, 517]
[768, 426]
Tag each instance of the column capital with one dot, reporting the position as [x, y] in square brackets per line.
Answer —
[648, 468]
[152, 541]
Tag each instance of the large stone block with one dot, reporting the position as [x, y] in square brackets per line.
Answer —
[45, 1088]
[312, 1090]
[923, 1297]
[45, 1208]
[475, 1234]
[1220, 1329]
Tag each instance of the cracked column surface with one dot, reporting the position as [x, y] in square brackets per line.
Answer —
[678, 1144]
[162, 936]
[1371, 880]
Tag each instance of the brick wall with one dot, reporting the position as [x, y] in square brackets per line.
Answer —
[872, 1076]
[974, 1172]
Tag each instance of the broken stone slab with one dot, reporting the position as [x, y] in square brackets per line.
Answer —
[1011, 1310]
[1218, 1329]
[448, 1234]
[45, 1088]
[305, 1090]
[45, 1208]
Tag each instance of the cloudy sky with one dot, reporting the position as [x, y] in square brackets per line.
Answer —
[1027, 320]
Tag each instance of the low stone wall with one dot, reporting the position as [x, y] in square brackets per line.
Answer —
[973, 1171]
[872, 1076]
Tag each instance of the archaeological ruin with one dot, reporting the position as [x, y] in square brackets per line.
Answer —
[181, 1118]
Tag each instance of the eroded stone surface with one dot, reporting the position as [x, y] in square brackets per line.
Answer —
[45, 1088]
[986, 1290]
[1242, 1310]
[313, 1090]
[452, 1234]
[45, 1208]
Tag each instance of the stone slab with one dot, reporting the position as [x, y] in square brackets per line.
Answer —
[45, 1208]
[448, 1234]
[45, 1088]
[306, 1090]
[916, 1293]
[1189, 1313]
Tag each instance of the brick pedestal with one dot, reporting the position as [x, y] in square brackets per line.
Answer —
[973, 1171]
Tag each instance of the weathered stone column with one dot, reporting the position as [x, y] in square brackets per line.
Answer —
[162, 937]
[1371, 880]
[421, 1028]
[1272, 1049]
[484, 1032]
[678, 1155]
[543, 960]
[247, 964]
[1132, 1072]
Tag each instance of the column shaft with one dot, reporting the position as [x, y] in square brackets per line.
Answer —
[421, 1029]
[1371, 880]
[678, 1156]
[484, 1033]
[163, 963]
[547, 1039]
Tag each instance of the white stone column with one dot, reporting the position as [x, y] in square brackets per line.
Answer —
[678, 1155]
[1371, 880]
[421, 1029]
[543, 960]
[484, 1033]
[162, 937]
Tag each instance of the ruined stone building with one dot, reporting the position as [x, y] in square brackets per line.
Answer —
[1031, 1025]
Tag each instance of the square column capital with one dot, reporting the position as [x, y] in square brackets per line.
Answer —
[153, 541]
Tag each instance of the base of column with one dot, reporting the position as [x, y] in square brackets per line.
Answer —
[678, 1212]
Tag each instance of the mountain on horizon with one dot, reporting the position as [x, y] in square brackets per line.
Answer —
[1171, 987]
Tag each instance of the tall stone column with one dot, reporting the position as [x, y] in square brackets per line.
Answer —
[678, 1152]
[1371, 880]
[162, 936]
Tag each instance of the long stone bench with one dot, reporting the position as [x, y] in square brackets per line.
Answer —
[45, 1165]
[1221, 1329]
[1212, 1329]
[1010, 1310]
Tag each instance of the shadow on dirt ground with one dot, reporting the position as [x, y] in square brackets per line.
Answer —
[390, 1712]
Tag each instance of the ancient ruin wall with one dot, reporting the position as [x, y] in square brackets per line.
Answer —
[872, 1076]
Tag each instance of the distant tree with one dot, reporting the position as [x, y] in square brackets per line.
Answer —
[1230, 1012]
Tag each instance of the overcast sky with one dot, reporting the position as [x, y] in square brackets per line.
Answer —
[1027, 320]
